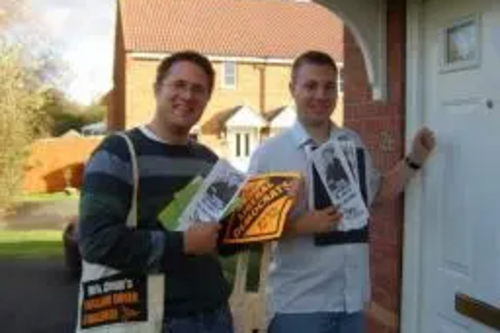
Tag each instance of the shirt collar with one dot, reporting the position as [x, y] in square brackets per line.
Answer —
[299, 134]
[302, 138]
[150, 134]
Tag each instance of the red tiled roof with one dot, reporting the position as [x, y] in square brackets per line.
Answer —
[271, 114]
[246, 28]
[216, 123]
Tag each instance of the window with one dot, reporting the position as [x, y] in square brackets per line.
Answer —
[461, 45]
[238, 144]
[247, 144]
[229, 74]
[242, 144]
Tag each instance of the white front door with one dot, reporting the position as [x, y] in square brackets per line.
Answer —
[460, 239]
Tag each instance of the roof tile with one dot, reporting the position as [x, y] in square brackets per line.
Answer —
[246, 28]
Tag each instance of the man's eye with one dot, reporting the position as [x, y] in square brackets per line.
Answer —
[310, 86]
[331, 87]
[199, 89]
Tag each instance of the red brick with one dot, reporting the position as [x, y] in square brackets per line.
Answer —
[372, 118]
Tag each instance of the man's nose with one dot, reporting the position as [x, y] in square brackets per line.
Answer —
[322, 93]
[187, 92]
[326, 92]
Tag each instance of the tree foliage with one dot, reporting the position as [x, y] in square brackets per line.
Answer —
[63, 115]
[21, 99]
[20, 117]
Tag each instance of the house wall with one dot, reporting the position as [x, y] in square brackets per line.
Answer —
[139, 98]
[116, 114]
[251, 79]
[381, 125]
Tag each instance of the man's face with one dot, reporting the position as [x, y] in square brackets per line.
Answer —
[314, 89]
[182, 95]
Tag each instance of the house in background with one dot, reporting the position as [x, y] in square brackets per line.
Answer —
[435, 254]
[251, 44]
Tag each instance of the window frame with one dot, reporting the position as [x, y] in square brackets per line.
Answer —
[225, 76]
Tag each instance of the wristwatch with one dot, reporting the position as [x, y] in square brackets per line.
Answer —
[412, 165]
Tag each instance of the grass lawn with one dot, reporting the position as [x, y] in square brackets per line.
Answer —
[31, 244]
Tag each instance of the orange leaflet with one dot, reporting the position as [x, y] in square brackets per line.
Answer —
[265, 202]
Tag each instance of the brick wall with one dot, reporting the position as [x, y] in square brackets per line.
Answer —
[50, 160]
[381, 124]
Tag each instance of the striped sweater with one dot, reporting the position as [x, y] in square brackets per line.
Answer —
[193, 283]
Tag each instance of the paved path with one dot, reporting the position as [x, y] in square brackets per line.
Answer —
[37, 296]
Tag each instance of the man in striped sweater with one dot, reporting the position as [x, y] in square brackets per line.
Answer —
[196, 292]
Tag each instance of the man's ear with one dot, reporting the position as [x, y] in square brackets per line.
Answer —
[291, 85]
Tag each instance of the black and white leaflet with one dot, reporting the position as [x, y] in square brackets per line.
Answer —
[341, 185]
[215, 195]
[349, 149]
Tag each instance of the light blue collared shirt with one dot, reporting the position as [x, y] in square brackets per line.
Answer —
[305, 278]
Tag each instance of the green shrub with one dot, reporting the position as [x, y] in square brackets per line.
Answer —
[20, 102]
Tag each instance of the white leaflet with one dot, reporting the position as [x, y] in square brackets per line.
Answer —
[214, 196]
[340, 182]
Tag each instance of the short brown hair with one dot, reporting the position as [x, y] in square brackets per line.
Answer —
[188, 55]
[314, 58]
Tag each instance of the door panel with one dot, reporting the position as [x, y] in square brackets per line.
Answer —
[461, 207]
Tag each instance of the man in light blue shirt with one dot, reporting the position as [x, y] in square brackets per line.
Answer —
[319, 276]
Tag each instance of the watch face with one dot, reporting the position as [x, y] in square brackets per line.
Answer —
[411, 164]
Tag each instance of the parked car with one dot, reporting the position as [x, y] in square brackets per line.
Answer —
[72, 255]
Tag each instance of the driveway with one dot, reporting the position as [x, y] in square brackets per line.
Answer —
[37, 295]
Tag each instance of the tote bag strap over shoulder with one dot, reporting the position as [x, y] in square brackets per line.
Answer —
[146, 315]
[132, 215]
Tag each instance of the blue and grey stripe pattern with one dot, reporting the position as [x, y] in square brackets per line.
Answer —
[106, 196]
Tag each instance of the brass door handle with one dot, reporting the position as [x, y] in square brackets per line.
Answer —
[477, 310]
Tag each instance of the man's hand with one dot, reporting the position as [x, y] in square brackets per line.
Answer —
[423, 144]
[297, 190]
[317, 221]
[201, 238]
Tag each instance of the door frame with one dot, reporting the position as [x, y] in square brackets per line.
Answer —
[413, 267]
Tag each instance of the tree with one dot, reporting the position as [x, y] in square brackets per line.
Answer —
[63, 114]
[21, 100]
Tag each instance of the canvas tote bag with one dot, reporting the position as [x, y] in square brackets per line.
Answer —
[114, 302]
[249, 308]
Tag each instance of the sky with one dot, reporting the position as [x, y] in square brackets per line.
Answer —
[82, 32]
